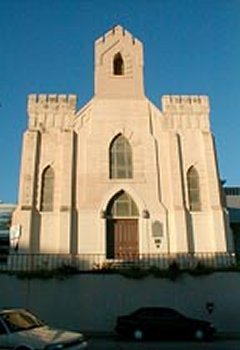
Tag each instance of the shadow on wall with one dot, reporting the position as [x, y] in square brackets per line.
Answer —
[53, 299]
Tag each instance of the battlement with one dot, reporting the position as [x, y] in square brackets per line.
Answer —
[51, 111]
[55, 103]
[182, 104]
[116, 32]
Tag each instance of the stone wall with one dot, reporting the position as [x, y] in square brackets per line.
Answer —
[91, 302]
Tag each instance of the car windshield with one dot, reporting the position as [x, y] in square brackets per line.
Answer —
[20, 320]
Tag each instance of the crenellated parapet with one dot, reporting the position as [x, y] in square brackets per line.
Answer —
[186, 111]
[115, 33]
[51, 111]
[185, 104]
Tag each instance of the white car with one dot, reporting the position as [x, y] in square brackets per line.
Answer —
[21, 330]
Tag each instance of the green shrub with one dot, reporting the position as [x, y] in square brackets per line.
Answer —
[200, 270]
[134, 272]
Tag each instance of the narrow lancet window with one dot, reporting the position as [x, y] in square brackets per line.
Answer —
[118, 64]
[47, 189]
[193, 190]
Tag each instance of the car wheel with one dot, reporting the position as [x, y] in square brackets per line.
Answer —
[138, 334]
[199, 334]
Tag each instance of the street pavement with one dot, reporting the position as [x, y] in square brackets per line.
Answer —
[108, 343]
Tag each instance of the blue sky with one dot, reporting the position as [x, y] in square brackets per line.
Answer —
[190, 47]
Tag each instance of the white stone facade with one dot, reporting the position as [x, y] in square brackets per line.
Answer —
[76, 144]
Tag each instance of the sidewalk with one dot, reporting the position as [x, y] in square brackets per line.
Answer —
[228, 335]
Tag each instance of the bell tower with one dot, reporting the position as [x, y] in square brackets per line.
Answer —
[118, 65]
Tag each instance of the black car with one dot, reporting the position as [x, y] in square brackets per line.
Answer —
[161, 322]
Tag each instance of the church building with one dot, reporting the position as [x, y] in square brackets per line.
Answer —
[120, 177]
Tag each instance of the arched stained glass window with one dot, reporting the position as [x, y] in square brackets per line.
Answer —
[122, 205]
[120, 158]
[193, 190]
[118, 64]
[47, 189]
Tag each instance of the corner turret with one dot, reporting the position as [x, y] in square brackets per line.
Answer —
[51, 111]
[186, 111]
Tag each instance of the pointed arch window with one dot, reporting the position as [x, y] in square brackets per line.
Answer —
[118, 64]
[120, 158]
[122, 205]
[193, 190]
[47, 189]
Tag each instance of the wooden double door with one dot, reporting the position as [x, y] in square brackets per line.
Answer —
[122, 239]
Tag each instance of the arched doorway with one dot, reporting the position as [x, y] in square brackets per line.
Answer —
[122, 228]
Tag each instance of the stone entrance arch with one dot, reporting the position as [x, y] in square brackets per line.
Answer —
[122, 237]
